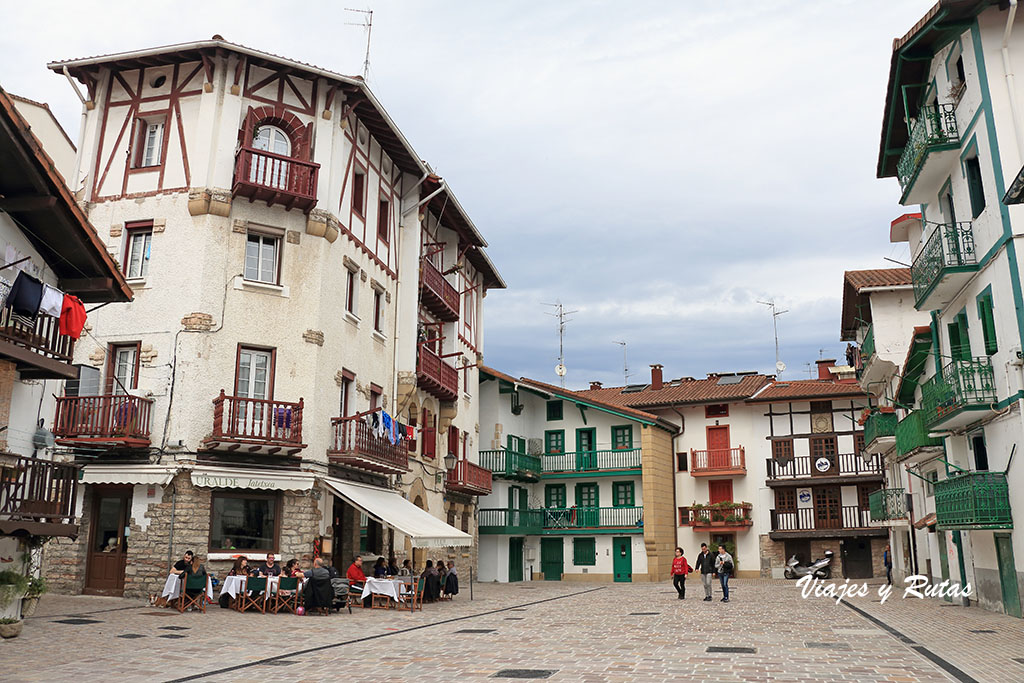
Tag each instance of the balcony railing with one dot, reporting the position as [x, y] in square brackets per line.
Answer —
[843, 464]
[935, 125]
[721, 461]
[498, 521]
[275, 179]
[467, 477]
[973, 500]
[437, 294]
[948, 251]
[37, 496]
[591, 461]
[257, 425]
[356, 444]
[879, 426]
[867, 347]
[717, 515]
[817, 519]
[963, 386]
[116, 419]
[37, 343]
[912, 435]
[593, 517]
[436, 376]
[511, 465]
[888, 505]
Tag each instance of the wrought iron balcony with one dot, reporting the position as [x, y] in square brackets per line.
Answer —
[912, 436]
[962, 393]
[591, 461]
[593, 518]
[508, 464]
[435, 376]
[888, 505]
[469, 478]
[356, 445]
[112, 421]
[973, 500]
[716, 515]
[255, 425]
[944, 265]
[437, 294]
[718, 462]
[516, 522]
[275, 179]
[824, 521]
[36, 346]
[880, 432]
[37, 497]
[934, 141]
[867, 347]
[818, 467]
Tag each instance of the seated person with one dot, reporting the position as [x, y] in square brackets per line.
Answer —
[292, 569]
[184, 563]
[431, 583]
[393, 566]
[451, 584]
[380, 568]
[318, 592]
[270, 567]
[195, 569]
[357, 579]
[241, 566]
[406, 569]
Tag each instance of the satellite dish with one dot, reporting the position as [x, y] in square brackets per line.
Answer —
[780, 367]
[43, 438]
[560, 370]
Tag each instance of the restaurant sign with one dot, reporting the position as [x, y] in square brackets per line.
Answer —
[247, 482]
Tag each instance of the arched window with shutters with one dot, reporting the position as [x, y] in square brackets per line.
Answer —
[268, 170]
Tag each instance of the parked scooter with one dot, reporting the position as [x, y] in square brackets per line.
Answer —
[821, 569]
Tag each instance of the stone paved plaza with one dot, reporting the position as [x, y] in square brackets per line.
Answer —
[580, 632]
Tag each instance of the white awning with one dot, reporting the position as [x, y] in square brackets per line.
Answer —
[237, 478]
[387, 507]
[160, 475]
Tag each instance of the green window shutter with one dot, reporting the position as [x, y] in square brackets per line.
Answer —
[554, 495]
[554, 441]
[555, 410]
[622, 438]
[623, 494]
[586, 496]
[988, 323]
[584, 551]
[965, 340]
[974, 186]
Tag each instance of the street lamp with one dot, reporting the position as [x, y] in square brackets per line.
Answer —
[449, 461]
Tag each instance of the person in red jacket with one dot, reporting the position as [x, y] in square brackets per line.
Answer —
[680, 568]
[357, 579]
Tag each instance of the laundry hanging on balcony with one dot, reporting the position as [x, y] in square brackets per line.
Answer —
[51, 301]
[72, 316]
[26, 295]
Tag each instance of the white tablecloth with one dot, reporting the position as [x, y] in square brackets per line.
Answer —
[233, 585]
[172, 587]
[390, 587]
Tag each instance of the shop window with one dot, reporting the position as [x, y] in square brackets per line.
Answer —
[244, 521]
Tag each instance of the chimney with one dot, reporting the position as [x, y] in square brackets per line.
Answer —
[656, 383]
[823, 368]
[595, 385]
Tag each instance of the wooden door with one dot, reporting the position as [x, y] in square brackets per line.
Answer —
[551, 557]
[622, 559]
[515, 559]
[856, 556]
[718, 447]
[720, 491]
[1007, 575]
[828, 509]
[104, 569]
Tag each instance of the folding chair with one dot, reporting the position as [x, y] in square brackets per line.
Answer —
[380, 601]
[253, 594]
[355, 595]
[412, 595]
[289, 591]
[192, 582]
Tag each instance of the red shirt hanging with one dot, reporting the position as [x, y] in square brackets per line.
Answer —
[72, 317]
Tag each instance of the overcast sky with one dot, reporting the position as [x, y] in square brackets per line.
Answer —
[657, 167]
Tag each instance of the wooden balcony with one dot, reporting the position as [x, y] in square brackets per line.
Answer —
[437, 294]
[825, 469]
[716, 516]
[275, 179]
[514, 522]
[468, 478]
[356, 445]
[435, 376]
[112, 421]
[37, 496]
[720, 462]
[36, 347]
[591, 461]
[511, 465]
[569, 520]
[254, 425]
[821, 522]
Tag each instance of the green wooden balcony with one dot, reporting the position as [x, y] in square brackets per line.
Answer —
[961, 394]
[945, 264]
[558, 520]
[591, 461]
[888, 505]
[973, 500]
[912, 436]
[514, 522]
[880, 432]
[934, 142]
[506, 464]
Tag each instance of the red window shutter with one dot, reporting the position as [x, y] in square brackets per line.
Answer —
[429, 442]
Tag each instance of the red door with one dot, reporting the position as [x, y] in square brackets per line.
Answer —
[720, 491]
[718, 447]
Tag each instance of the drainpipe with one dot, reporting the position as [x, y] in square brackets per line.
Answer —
[74, 180]
[1008, 72]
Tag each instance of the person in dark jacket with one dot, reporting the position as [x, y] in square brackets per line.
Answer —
[705, 564]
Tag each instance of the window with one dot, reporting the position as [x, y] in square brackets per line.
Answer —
[959, 340]
[623, 494]
[150, 141]
[123, 368]
[933, 477]
[586, 496]
[261, 258]
[717, 410]
[451, 516]
[378, 311]
[682, 464]
[988, 323]
[429, 436]
[980, 451]
[465, 521]
[453, 440]
[351, 282]
[950, 208]
[554, 495]
[246, 521]
[974, 186]
[622, 438]
[347, 380]
[864, 492]
[516, 444]
[586, 438]
[858, 443]
[554, 441]
[821, 406]
[555, 410]
[136, 262]
[265, 169]
[584, 551]
[358, 191]
[823, 446]
[375, 394]
[782, 449]
[383, 216]
[785, 500]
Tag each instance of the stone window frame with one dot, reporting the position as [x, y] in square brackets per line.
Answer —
[248, 493]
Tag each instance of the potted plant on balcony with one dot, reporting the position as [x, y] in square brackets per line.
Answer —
[13, 586]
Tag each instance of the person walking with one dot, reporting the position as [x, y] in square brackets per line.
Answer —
[706, 566]
[887, 561]
[680, 569]
[723, 568]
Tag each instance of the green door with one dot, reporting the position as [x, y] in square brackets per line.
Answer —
[943, 561]
[551, 558]
[586, 445]
[1007, 575]
[515, 559]
[622, 559]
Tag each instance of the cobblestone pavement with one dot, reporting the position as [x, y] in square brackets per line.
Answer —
[580, 632]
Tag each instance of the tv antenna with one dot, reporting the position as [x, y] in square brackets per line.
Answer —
[563, 318]
[780, 367]
[366, 23]
[625, 365]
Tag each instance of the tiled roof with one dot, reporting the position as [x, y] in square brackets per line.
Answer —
[808, 389]
[682, 391]
[855, 304]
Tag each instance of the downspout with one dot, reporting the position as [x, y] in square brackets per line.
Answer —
[74, 180]
[1008, 73]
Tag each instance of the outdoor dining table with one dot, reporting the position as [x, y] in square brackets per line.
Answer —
[389, 587]
[172, 587]
[233, 585]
